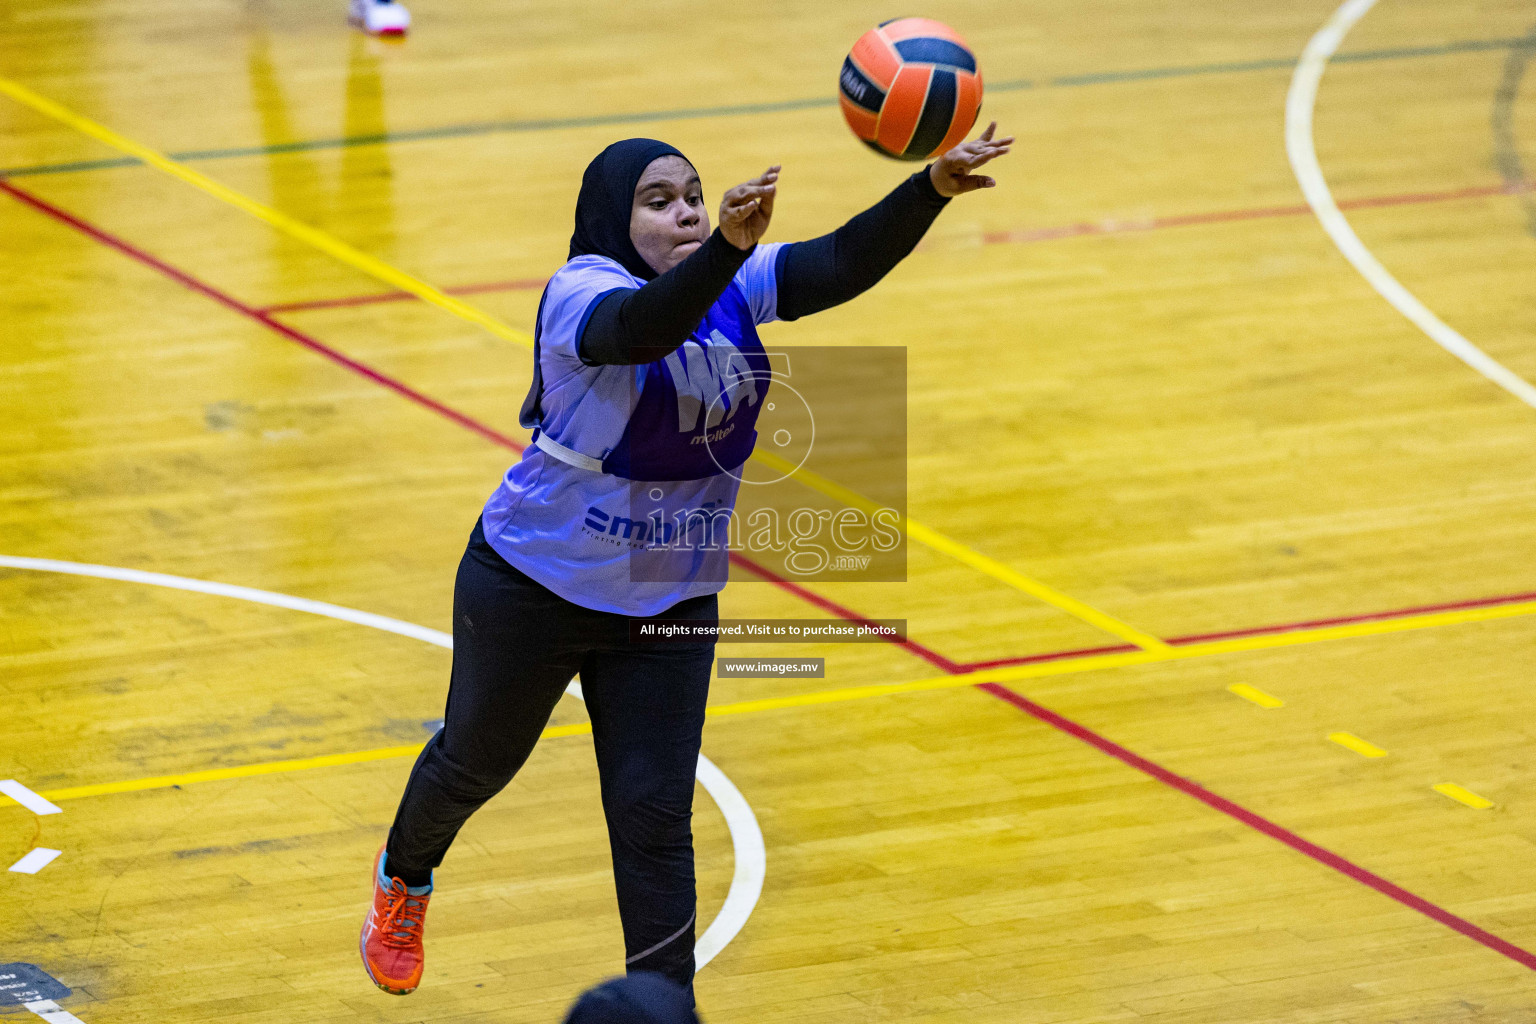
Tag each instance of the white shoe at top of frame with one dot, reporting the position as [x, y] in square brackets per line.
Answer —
[380, 17]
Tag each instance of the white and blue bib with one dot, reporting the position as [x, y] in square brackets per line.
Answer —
[656, 443]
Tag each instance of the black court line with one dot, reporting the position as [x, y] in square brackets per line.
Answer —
[478, 128]
[1506, 142]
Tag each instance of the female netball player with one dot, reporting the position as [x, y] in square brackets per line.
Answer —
[547, 587]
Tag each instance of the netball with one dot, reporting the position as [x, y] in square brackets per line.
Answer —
[910, 88]
[527, 460]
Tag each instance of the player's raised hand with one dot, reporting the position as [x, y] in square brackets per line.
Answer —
[951, 173]
[746, 209]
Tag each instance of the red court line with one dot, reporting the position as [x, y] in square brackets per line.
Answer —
[1115, 227]
[1285, 627]
[1030, 659]
[930, 656]
[527, 284]
[1484, 602]
[1109, 226]
[1264, 825]
[230, 302]
[406, 391]
[1163, 775]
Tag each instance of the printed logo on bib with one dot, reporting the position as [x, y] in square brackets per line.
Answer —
[696, 406]
[704, 528]
[712, 382]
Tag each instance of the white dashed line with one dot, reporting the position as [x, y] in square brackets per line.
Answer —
[35, 860]
[746, 837]
[28, 799]
[52, 1012]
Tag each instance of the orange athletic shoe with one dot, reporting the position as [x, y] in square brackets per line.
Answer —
[391, 938]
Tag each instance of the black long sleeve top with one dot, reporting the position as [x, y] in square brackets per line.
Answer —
[644, 324]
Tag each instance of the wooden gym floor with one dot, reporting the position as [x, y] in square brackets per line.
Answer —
[1150, 403]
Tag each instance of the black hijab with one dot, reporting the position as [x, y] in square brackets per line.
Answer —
[602, 229]
[607, 198]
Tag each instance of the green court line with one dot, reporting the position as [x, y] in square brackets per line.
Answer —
[459, 131]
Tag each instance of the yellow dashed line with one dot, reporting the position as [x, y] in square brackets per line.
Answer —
[1463, 796]
[1349, 741]
[1258, 696]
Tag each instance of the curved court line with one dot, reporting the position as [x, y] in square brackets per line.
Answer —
[383, 623]
[1300, 103]
[915, 531]
[399, 387]
[989, 681]
[958, 677]
[746, 837]
[747, 880]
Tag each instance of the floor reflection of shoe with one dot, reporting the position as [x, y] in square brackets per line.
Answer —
[380, 17]
[391, 938]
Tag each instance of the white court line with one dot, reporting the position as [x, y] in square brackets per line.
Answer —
[751, 863]
[1299, 105]
[298, 604]
[746, 838]
[36, 859]
[52, 1012]
[28, 799]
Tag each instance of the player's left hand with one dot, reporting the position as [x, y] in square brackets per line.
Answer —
[951, 173]
[746, 209]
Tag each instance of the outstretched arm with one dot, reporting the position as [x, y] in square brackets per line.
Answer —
[641, 325]
[827, 271]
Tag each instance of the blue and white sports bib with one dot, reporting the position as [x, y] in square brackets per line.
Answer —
[666, 435]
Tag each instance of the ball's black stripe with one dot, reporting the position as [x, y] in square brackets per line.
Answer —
[928, 50]
[858, 88]
[938, 115]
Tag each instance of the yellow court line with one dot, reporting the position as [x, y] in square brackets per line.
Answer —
[1349, 741]
[325, 242]
[246, 771]
[968, 556]
[1008, 674]
[378, 269]
[1463, 796]
[1258, 696]
[1098, 662]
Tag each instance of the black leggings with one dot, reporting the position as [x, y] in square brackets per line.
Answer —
[515, 647]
